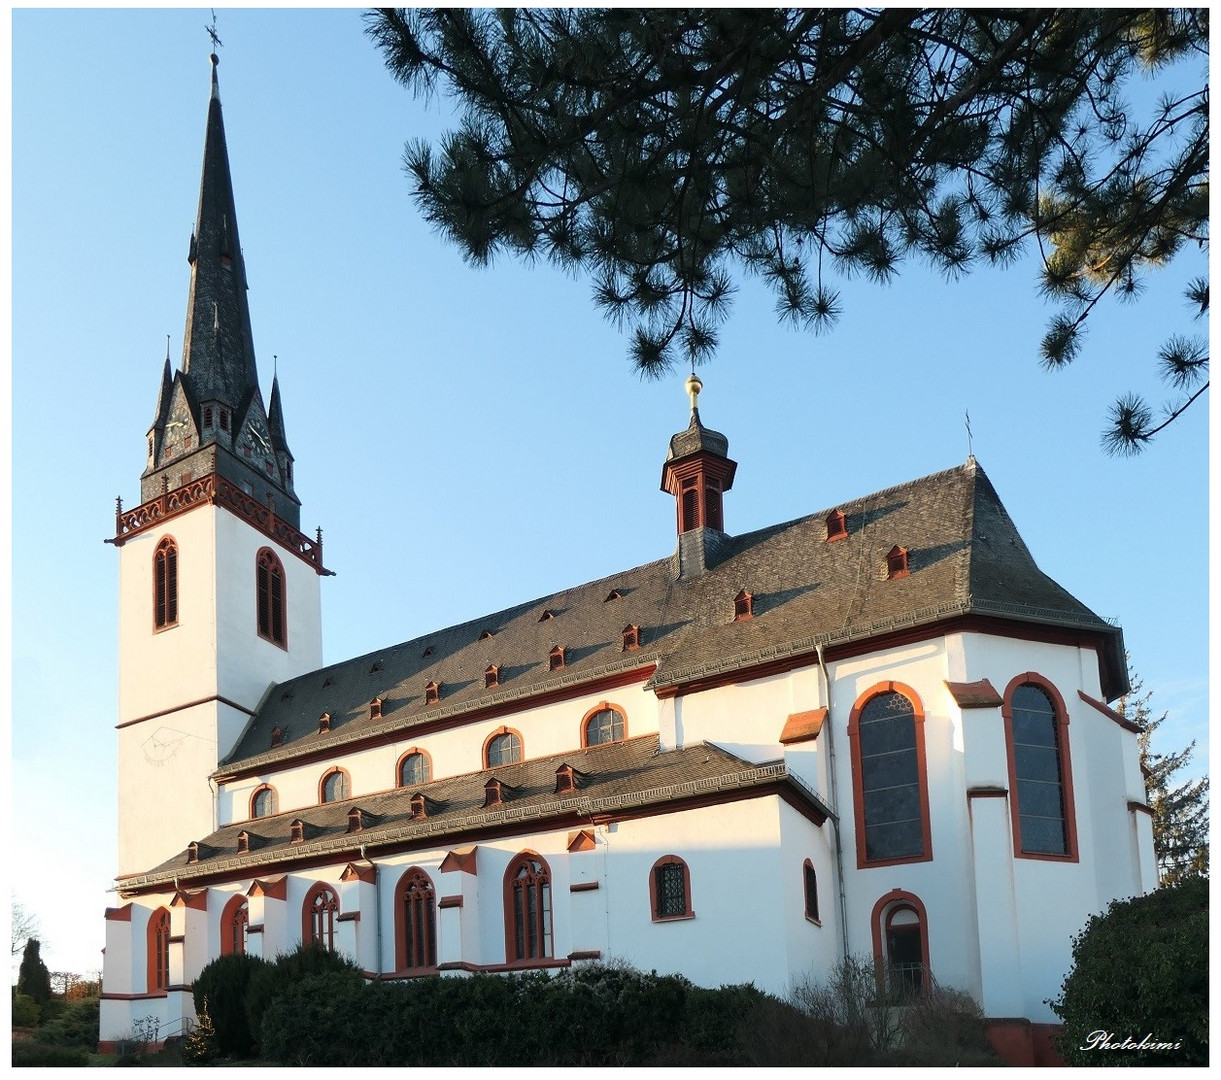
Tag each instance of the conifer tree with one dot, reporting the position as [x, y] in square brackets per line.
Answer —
[33, 978]
[664, 150]
[1180, 810]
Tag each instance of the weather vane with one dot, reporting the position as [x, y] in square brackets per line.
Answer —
[216, 42]
[967, 416]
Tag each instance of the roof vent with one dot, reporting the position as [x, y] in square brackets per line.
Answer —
[426, 653]
[743, 607]
[432, 693]
[328, 683]
[547, 614]
[243, 843]
[631, 638]
[286, 696]
[193, 851]
[567, 779]
[375, 708]
[614, 594]
[324, 723]
[556, 658]
[276, 736]
[377, 666]
[356, 820]
[487, 634]
[493, 793]
[419, 806]
[837, 526]
[297, 831]
[491, 677]
[896, 562]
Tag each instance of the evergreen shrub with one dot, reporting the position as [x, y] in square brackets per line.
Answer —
[25, 1010]
[76, 1025]
[223, 984]
[268, 981]
[1140, 969]
[28, 1054]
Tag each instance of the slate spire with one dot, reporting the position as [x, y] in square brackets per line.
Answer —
[218, 346]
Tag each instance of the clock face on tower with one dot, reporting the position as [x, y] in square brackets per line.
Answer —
[256, 443]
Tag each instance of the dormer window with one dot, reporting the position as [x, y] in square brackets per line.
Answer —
[297, 831]
[631, 638]
[356, 820]
[614, 594]
[556, 658]
[432, 693]
[324, 723]
[743, 607]
[329, 682]
[493, 793]
[491, 677]
[837, 526]
[243, 843]
[375, 709]
[193, 851]
[565, 779]
[896, 562]
[547, 614]
[276, 736]
[487, 634]
[419, 807]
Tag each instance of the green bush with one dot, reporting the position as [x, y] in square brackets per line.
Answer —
[25, 1010]
[27, 1054]
[77, 1025]
[268, 981]
[1140, 969]
[223, 984]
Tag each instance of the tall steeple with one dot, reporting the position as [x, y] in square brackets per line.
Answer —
[212, 420]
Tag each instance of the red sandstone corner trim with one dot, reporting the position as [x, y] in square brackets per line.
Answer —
[975, 695]
[1111, 714]
[450, 902]
[459, 860]
[118, 914]
[352, 872]
[272, 888]
[582, 840]
[803, 726]
[196, 901]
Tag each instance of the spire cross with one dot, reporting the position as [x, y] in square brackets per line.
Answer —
[216, 42]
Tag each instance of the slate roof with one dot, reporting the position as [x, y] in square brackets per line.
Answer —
[965, 558]
[612, 777]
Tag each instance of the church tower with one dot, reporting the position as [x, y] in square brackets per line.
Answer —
[219, 592]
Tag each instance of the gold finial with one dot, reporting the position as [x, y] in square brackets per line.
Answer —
[694, 386]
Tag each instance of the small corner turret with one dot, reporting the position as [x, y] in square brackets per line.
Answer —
[698, 471]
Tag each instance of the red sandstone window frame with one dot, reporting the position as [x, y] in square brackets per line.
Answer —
[415, 751]
[487, 748]
[319, 911]
[261, 790]
[415, 923]
[809, 886]
[655, 895]
[1063, 748]
[328, 777]
[881, 923]
[234, 923]
[165, 584]
[858, 799]
[158, 948]
[593, 714]
[271, 598]
[529, 914]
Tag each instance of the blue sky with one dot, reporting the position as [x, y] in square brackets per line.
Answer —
[471, 438]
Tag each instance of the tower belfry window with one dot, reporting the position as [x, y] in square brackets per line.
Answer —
[272, 617]
[165, 585]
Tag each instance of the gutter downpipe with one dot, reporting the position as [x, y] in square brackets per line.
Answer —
[839, 846]
[377, 910]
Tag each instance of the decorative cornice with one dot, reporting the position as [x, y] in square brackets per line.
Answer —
[215, 490]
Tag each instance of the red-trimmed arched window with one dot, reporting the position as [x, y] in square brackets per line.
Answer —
[889, 777]
[234, 924]
[414, 769]
[1040, 770]
[415, 922]
[334, 787]
[809, 880]
[263, 802]
[318, 915]
[272, 598]
[605, 724]
[670, 889]
[528, 930]
[159, 951]
[899, 925]
[165, 584]
[503, 748]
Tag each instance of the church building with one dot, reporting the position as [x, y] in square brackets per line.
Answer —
[878, 730]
